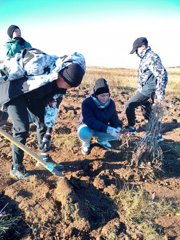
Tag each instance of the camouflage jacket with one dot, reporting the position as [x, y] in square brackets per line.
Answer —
[31, 69]
[152, 76]
[37, 67]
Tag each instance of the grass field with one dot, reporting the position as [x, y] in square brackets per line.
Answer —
[127, 78]
[139, 209]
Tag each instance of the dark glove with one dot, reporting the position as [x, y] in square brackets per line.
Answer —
[20, 40]
[46, 143]
[45, 157]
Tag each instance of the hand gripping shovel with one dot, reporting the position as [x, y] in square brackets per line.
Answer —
[49, 165]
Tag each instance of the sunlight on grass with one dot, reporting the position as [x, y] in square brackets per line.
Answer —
[127, 78]
[139, 212]
[67, 141]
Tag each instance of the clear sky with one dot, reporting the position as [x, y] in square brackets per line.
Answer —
[103, 30]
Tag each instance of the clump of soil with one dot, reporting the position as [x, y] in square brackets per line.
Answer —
[80, 205]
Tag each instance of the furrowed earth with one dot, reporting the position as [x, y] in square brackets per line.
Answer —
[81, 204]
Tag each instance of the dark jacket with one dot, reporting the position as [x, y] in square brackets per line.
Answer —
[47, 97]
[44, 93]
[99, 118]
[13, 89]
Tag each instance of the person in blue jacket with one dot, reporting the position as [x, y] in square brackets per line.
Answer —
[99, 118]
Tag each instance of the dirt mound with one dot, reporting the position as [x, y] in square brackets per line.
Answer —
[81, 205]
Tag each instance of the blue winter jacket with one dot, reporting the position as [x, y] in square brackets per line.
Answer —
[99, 118]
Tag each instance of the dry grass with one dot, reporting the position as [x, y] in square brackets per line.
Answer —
[148, 156]
[7, 223]
[174, 80]
[67, 141]
[127, 78]
[116, 77]
[138, 211]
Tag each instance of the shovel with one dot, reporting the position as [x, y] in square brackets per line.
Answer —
[51, 166]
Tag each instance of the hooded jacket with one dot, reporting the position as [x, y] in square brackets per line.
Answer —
[152, 75]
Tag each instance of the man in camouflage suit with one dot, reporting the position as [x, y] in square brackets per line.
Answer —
[152, 81]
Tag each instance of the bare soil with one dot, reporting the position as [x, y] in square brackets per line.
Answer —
[80, 205]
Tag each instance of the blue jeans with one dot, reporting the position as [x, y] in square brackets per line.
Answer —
[85, 134]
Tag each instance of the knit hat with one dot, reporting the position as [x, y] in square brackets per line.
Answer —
[101, 86]
[11, 29]
[138, 43]
[73, 74]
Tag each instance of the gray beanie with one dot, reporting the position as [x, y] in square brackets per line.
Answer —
[101, 86]
[73, 74]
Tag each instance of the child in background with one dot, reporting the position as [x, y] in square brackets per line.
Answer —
[16, 43]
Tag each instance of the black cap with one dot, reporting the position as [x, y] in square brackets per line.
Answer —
[73, 74]
[101, 86]
[138, 43]
[11, 29]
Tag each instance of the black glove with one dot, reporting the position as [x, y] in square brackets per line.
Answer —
[45, 157]
[20, 40]
[46, 143]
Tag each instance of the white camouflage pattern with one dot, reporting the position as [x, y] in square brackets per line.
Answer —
[151, 65]
[37, 66]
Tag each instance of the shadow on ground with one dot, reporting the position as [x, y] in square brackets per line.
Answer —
[12, 225]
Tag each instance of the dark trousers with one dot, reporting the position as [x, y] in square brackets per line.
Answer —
[18, 113]
[135, 101]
